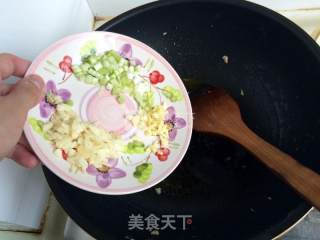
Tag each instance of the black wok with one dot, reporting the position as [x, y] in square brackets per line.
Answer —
[274, 74]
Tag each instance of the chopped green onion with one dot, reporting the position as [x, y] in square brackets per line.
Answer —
[108, 70]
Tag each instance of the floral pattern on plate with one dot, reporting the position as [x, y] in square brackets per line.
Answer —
[127, 72]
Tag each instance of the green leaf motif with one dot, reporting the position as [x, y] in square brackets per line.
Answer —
[171, 93]
[37, 125]
[135, 147]
[143, 172]
[149, 64]
[148, 100]
[138, 98]
[88, 48]
[69, 102]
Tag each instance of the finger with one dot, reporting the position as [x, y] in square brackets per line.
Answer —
[23, 157]
[24, 142]
[12, 65]
[24, 95]
[5, 88]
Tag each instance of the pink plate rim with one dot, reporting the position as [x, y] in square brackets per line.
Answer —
[95, 189]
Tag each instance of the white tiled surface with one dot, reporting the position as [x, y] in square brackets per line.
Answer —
[25, 196]
[308, 20]
[28, 27]
[114, 7]
[288, 5]
[308, 229]
[53, 228]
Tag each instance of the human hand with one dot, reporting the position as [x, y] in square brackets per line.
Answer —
[15, 102]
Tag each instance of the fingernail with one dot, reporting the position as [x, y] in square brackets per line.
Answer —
[36, 80]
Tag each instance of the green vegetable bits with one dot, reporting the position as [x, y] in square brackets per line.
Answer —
[143, 172]
[108, 70]
[135, 147]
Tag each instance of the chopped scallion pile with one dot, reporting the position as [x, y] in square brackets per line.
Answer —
[108, 70]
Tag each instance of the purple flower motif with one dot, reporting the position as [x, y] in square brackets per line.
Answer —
[104, 177]
[126, 52]
[174, 122]
[52, 97]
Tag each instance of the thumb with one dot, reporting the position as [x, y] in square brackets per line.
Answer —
[25, 94]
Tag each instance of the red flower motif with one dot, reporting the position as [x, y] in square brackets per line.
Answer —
[66, 66]
[163, 154]
[67, 59]
[156, 77]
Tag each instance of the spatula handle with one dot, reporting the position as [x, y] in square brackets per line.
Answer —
[302, 179]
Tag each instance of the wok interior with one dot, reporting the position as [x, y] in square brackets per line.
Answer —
[273, 75]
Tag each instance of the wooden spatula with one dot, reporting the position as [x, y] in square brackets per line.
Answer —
[216, 112]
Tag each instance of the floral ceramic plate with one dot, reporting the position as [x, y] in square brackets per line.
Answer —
[116, 117]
